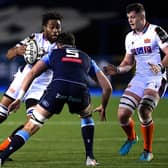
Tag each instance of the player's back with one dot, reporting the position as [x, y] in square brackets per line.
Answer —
[70, 64]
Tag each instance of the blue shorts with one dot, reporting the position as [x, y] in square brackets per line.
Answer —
[58, 93]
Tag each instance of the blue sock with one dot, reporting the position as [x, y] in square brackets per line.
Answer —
[17, 141]
[87, 130]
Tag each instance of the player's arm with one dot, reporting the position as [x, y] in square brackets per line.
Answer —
[163, 44]
[156, 68]
[36, 70]
[16, 51]
[19, 49]
[106, 87]
[164, 61]
[125, 66]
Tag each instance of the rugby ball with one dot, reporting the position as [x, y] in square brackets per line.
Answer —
[31, 53]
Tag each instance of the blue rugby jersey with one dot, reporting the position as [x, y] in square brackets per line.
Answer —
[71, 64]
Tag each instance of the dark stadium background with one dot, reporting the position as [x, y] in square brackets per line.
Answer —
[99, 26]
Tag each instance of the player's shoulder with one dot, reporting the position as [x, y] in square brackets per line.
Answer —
[152, 27]
[129, 35]
[38, 36]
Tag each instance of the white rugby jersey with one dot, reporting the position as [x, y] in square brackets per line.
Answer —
[145, 48]
[40, 83]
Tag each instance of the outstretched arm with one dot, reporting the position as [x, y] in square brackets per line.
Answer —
[106, 93]
[16, 51]
[37, 69]
[125, 66]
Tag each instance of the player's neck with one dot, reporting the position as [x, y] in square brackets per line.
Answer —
[142, 28]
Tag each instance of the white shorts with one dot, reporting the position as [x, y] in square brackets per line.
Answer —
[138, 84]
[37, 87]
[14, 87]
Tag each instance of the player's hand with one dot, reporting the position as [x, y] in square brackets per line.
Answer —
[20, 50]
[110, 69]
[156, 68]
[102, 112]
[14, 106]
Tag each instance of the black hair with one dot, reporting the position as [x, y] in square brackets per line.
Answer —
[66, 38]
[50, 16]
[137, 7]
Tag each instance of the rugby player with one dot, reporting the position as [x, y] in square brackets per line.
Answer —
[71, 68]
[144, 91]
[51, 28]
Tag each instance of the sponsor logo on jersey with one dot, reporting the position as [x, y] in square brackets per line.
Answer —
[142, 50]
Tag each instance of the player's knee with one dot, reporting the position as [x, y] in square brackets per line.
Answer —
[87, 122]
[124, 116]
[29, 111]
[147, 103]
[3, 113]
[128, 102]
[146, 107]
[37, 118]
[145, 120]
[145, 117]
[86, 112]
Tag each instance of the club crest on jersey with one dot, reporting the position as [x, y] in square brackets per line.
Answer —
[147, 40]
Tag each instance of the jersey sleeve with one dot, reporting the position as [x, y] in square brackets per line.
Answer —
[46, 59]
[160, 43]
[93, 69]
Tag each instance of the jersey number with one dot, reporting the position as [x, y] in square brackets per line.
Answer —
[72, 56]
[72, 53]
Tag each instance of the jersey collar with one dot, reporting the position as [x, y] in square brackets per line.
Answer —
[145, 28]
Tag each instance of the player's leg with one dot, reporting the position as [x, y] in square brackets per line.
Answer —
[10, 95]
[39, 116]
[3, 116]
[31, 99]
[80, 103]
[127, 106]
[87, 131]
[30, 103]
[5, 101]
[146, 106]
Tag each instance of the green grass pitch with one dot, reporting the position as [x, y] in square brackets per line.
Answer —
[59, 143]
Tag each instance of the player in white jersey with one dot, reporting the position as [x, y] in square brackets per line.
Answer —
[144, 90]
[39, 84]
[51, 28]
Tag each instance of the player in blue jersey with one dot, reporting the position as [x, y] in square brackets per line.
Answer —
[51, 27]
[71, 68]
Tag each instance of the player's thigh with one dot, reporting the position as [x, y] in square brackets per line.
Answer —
[80, 104]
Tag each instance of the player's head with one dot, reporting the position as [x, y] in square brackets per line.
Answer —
[136, 16]
[52, 25]
[65, 39]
